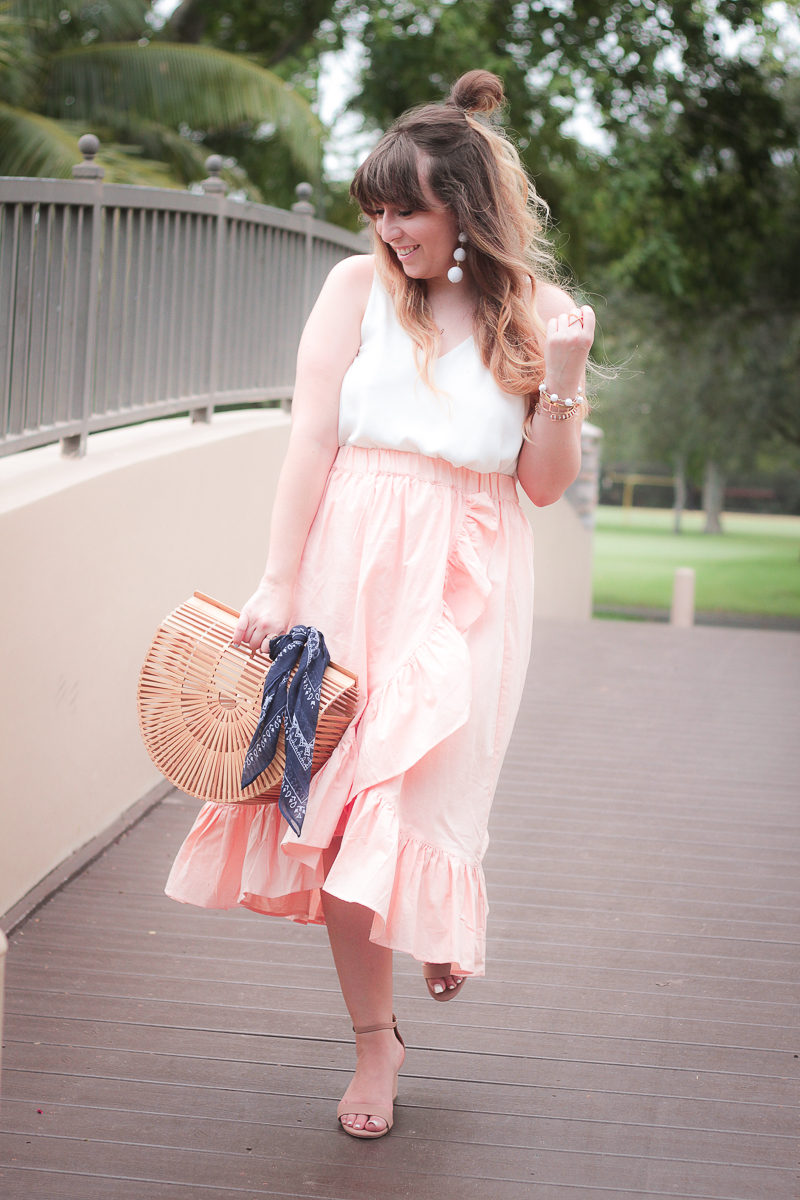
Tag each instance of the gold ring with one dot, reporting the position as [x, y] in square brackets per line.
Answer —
[575, 318]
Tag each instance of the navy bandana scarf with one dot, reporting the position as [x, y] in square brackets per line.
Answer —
[293, 703]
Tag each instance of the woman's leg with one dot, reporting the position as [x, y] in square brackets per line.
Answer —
[365, 977]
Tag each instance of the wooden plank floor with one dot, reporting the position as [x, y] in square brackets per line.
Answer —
[636, 1035]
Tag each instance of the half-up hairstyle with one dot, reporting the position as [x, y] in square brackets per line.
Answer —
[475, 171]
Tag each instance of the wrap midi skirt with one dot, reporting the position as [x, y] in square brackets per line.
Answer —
[420, 576]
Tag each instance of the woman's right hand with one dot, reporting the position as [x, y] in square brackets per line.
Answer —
[265, 615]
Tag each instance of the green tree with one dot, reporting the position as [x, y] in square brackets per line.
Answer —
[285, 37]
[623, 66]
[158, 106]
[709, 230]
[694, 173]
[275, 32]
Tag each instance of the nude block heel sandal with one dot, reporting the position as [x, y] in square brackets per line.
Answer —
[350, 1104]
[432, 971]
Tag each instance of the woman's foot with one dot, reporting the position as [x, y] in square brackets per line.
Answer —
[441, 982]
[379, 1056]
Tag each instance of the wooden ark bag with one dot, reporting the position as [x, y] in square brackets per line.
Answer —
[199, 701]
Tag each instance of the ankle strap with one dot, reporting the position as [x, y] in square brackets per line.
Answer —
[376, 1028]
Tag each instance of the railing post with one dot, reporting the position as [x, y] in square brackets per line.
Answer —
[304, 207]
[214, 185]
[74, 446]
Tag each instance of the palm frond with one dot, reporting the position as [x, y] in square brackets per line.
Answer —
[179, 159]
[13, 44]
[186, 159]
[31, 145]
[34, 146]
[114, 18]
[175, 85]
[127, 164]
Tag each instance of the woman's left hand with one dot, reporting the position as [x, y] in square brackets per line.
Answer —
[566, 349]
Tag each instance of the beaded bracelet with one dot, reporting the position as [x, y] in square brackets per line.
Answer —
[557, 408]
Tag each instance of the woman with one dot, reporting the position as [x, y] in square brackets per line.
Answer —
[397, 531]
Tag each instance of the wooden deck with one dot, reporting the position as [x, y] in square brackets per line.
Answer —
[636, 1035]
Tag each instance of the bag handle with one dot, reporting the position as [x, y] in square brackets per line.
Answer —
[232, 612]
[216, 604]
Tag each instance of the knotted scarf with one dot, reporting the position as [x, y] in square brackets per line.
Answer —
[291, 701]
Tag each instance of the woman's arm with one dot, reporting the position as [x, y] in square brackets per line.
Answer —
[550, 461]
[329, 344]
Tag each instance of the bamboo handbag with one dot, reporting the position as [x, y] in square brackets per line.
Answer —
[199, 701]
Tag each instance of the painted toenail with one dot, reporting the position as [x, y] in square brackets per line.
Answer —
[438, 987]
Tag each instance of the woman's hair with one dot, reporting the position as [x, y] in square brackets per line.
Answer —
[474, 170]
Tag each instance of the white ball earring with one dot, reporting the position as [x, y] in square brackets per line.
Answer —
[455, 274]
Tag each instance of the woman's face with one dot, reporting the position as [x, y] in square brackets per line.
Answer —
[423, 241]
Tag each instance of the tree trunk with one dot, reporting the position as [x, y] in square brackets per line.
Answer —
[679, 499]
[713, 495]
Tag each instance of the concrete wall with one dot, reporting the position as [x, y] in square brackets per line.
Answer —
[562, 561]
[94, 553]
[3, 952]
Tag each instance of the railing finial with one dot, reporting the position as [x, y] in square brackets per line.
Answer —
[302, 204]
[214, 185]
[88, 169]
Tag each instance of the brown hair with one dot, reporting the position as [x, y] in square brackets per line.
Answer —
[475, 171]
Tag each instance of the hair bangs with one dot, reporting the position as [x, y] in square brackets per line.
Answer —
[389, 175]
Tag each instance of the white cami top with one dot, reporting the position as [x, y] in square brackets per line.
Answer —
[385, 404]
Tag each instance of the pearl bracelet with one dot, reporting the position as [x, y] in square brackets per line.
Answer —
[559, 408]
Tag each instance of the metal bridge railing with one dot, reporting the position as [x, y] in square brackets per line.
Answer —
[121, 303]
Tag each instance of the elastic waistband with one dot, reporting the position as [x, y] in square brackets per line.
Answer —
[362, 460]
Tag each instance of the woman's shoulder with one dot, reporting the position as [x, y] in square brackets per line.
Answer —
[354, 272]
[551, 300]
[347, 287]
[333, 329]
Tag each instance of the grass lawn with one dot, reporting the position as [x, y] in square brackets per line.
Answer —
[753, 567]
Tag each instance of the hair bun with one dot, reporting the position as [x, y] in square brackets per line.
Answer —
[477, 92]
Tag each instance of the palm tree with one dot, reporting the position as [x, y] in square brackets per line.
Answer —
[156, 105]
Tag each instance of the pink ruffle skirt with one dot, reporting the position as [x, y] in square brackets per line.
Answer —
[420, 576]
